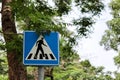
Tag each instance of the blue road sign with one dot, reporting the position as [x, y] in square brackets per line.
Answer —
[39, 49]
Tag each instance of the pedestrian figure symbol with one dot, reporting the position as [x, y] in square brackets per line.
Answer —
[39, 44]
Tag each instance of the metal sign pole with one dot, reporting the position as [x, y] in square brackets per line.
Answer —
[40, 73]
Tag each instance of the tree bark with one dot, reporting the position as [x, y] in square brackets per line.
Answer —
[17, 70]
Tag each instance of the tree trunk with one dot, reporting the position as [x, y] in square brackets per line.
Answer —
[16, 69]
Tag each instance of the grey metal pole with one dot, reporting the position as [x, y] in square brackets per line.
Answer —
[40, 73]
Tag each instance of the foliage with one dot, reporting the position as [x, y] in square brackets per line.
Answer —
[3, 63]
[3, 77]
[66, 51]
[90, 6]
[117, 59]
[80, 71]
[3, 66]
[71, 68]
[111, 38]
[117, 75]
[39, 15]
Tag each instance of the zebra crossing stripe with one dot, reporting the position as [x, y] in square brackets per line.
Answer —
[46, 57]
[41, 57]
[29, 57]
[52, 57]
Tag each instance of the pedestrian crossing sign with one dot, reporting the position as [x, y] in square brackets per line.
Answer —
[39, 49]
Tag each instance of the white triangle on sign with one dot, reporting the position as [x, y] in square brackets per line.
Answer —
[47, 51]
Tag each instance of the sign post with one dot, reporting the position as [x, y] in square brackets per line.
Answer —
[40, 73]
[41, 50]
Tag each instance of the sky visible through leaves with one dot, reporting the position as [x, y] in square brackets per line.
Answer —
[90, 49]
